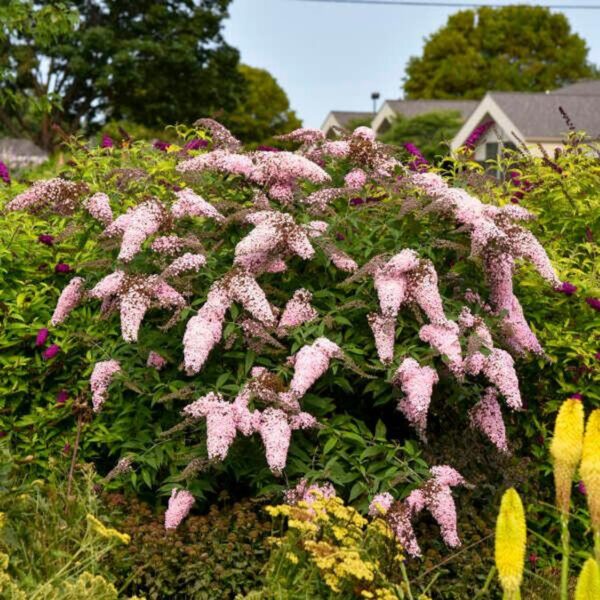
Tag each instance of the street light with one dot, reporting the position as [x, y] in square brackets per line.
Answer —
[375, 97]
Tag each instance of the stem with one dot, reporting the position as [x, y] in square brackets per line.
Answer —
[406, 581]
[564, 574]
[486, 585]
[74, 456]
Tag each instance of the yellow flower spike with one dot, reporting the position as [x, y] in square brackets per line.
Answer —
[588, 584]
[566, 448]
[590, 467]
[511, 533]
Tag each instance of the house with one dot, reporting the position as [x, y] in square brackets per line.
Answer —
[535, 119]
[341, 119]
[18, 153]
[390, 109]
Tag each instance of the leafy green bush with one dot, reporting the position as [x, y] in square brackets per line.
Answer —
[52, 543]
[216, 555]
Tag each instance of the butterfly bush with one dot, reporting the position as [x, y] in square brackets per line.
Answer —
[274, 278]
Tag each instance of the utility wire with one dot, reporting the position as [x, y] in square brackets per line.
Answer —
[449, 4]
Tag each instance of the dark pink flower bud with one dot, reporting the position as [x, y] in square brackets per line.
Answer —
[66, 448]
[46, 239]
[581, 488]
[594, 303]
[50, 351]
[62, 268]
[566, 288]
[42, 337]
[107, 142]
[196, 144]
[62, 397]
[576, 396]
[4, 174]
[161, 145]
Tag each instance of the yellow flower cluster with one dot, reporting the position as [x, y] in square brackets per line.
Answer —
[107, 532]
[566, 449]
[511, 534]
[590, 467]
[588, 584]
[336, 540]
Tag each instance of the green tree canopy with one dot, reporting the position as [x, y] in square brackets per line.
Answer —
[85, 61]
[428, 132]
[519, 48]
[264, 111]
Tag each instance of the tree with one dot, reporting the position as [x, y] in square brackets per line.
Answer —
[513, 48]
[428, 131]
[86, 61]
[264, 111]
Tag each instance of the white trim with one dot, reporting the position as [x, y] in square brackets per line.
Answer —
[329, 122]
[385, 113]
[487, 107]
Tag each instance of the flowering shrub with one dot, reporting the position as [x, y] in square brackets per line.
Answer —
[275, 289]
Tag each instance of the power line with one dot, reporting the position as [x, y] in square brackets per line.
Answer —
[436, 3]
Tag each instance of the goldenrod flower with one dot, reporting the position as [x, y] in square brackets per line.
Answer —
[107, 532]
[566, 449]
[588, 584]
[511, 535]
[590, 466]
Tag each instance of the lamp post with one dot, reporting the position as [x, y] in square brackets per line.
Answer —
[375, 97]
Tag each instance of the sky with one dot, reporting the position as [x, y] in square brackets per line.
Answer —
[333, 56]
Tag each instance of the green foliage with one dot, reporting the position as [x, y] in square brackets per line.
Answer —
[78, 62]
[215, 555]
[429, 132]
[510, 48]
[264, 110]
[51, 543]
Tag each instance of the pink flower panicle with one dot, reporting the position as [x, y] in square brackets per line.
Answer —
[499, 369]
[155, 361]
[380, 505]
[308, 493]
[190, 204]
[221, 136]
[180, 504]
[355, 179]
[70, 297]
[298, 310]
[220, 161]
[486, 416]
[98, 206]
[444, 338]
[417, 384]
[56, 194]
[169, 245]
[310, 362]
[306, 135]
[384, 332]
[187, 262]
[100, 380]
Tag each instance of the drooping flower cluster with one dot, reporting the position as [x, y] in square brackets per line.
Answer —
[68, 300]
[486, 416]
[156, 361]
[499, 242]
[180, 504]
[56, 195]
[435, 495]
[305, 492]
[417, 384]
[100, 379]
[298, 310]
[98, 206]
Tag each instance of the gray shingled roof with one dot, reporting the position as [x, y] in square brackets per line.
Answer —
[413, 108]
[344, 117]
[537, 116]
[587, 87]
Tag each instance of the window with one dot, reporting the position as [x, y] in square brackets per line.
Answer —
[491, 150]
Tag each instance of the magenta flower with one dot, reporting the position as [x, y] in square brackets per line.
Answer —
[42, 337]
[161, 145]
[4, 174]
[66, 448]
[46, 239]
[195, 144]
[594, 303]
[419, 163]
[107, 142]
[268, 149]
[566, 288]
[51, 351]
[356, 201]
[576, 396]
[597, 356]
[62, 397]
[62, 268]
[581, 488]
[477, 133]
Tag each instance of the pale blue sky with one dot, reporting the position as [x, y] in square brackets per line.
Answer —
[332, 56]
